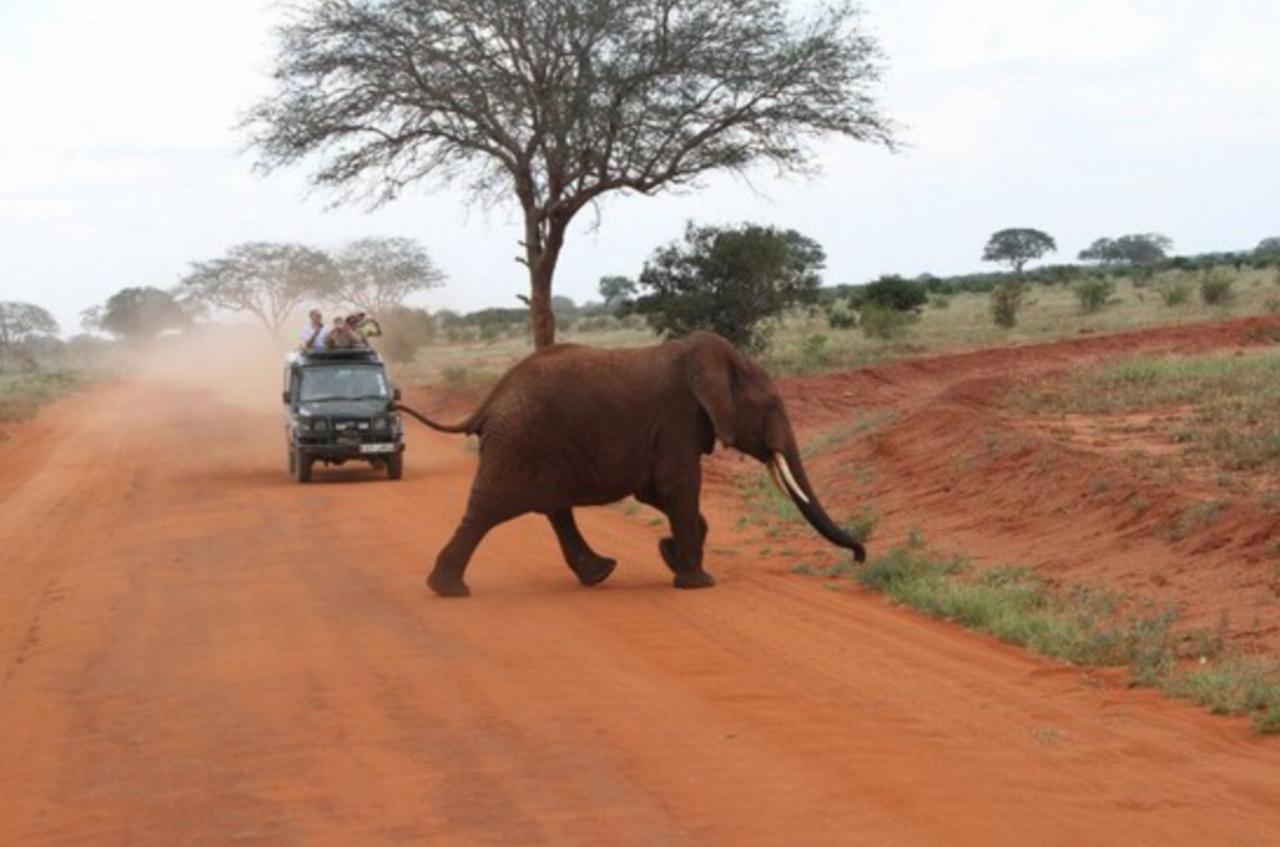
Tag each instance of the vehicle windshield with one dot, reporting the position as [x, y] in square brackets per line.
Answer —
[349, 382]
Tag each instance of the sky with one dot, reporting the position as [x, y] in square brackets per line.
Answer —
[120, 161]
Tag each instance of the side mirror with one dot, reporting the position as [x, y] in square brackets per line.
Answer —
[395, 393]
[286, 396]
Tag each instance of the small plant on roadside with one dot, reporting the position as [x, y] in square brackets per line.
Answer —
[1193, 519]
[814, 352]
[1216, 287]
[861, 525]
[1176, 293]
[1093, 293]
[838, 317]
[883, 323]
[1006, 302]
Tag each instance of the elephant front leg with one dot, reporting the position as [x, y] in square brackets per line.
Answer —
[682, 552]
[590, 567]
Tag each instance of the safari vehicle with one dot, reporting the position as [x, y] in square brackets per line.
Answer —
[339, 406]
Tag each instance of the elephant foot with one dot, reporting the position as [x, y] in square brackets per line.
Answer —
[693, 579]
[593, 570]
[446, 587]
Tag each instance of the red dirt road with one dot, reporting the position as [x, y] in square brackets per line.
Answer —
[195, 651]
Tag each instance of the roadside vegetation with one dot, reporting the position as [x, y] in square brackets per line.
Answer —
[843, 331]
[1082, 625]
[23, 392]
[1224, 408]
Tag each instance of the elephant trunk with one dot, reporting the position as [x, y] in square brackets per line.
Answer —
[796, 483]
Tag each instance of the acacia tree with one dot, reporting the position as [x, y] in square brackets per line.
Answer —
[733, 281]
[1143, 248]
[21, 322]
[1015, 247]
[137, 313]
[269, 281]
[1268, 248]
[558, 102]
[377, 274]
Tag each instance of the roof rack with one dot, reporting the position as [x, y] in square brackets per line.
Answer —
[350, 354]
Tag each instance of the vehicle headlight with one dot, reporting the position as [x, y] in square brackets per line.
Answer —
[316, 425]
[381, 424]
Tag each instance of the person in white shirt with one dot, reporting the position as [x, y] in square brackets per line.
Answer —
[315, 333]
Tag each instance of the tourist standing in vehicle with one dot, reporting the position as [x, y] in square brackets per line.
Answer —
[315, 333]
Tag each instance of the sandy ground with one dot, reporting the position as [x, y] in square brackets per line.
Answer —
[194, 650]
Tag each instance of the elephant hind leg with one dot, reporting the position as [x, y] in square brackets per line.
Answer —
[590, 567]
[446, 578]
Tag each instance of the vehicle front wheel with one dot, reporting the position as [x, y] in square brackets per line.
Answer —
[395, 466]
[302, 465]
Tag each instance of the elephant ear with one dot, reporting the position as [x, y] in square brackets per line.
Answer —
[710, 375]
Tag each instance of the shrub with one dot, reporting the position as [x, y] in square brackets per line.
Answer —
[941, 301]
[894, 292]
[405, 331]
[883, 323]
[1175, 293]
[1006, 301]
[839, 317]
[1215, 288]
[814, 353]
[1093, 293]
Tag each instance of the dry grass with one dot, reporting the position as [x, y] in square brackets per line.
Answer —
[806, 343]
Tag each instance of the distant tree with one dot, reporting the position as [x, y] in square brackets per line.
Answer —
[1145, 248]
[269, 281]
[377, 274]
[619, 293]
[558, 102]
[1016, 247]
[405, 331]
[1268, 248]
[732, 281]
[892, 292]
[137, 313]
[22, 322]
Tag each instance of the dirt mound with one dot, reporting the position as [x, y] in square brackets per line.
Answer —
[945, 455]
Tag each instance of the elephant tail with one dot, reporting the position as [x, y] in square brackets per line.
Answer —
[470, 426]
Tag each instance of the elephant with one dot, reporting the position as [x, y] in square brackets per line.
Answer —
[572, 425]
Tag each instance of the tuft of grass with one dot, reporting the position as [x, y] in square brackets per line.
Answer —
[1195, 518]
[1176, 292]
[1093, 293]
[1216, 287]
[862, 524]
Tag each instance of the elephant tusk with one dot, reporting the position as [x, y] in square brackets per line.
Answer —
[773, 475]
[785, 469]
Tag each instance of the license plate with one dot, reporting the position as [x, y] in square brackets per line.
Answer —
[377, 448]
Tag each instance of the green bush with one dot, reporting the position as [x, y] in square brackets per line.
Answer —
[1175, 293]
[839, 317]
[884, 323]
[1006, 302]
[1215, 288]
[893, 292]
[1093, 293]
[814, 352]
